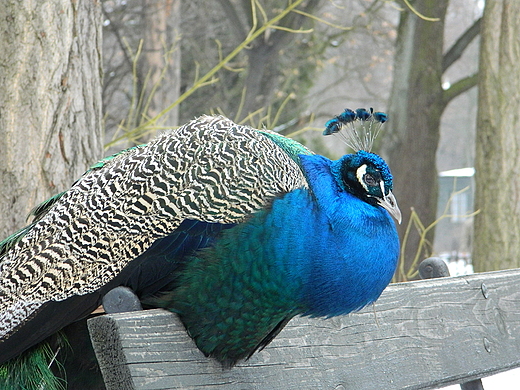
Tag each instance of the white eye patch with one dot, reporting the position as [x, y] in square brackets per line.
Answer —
[360, 173]
[369, 180]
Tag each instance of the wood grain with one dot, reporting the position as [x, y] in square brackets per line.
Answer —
[420, 335]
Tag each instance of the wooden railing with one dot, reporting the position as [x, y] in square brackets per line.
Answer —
[419, 335]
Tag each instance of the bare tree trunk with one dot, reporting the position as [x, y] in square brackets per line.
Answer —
[50, 105]
[497, 196]
[415, 109]
[161, 61]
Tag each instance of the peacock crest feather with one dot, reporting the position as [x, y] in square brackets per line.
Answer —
[358, 129]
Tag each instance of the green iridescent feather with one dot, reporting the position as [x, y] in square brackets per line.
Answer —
[32, 371]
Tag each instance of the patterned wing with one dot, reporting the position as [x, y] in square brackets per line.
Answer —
[210, 170]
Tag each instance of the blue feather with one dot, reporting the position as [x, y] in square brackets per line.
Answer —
[234, 229]
[355, 277]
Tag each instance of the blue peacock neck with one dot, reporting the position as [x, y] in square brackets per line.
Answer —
[331, 283]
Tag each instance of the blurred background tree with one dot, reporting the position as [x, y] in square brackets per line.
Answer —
[497, 227]
[300, 71]
[273, 74]
[417, 101]
[142, 63]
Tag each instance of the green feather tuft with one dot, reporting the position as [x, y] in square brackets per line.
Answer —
[289, 146]
[10, 241]
[101, 163]
[39, 211]
[31, 371]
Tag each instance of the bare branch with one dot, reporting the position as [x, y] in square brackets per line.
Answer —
[116, 30]
[292, 21]
[459, 88]
[455, 51]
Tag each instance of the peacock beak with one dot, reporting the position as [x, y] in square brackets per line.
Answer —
[389, 203]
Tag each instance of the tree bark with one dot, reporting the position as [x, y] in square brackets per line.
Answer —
[50, 105]
[161, 61]
[497, 196]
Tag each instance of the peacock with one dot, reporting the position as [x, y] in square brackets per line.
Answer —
[235, 229]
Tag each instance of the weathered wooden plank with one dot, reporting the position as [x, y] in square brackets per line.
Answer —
[427, 334]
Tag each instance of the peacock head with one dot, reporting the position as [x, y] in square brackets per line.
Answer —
[363, 174]
[367, 176]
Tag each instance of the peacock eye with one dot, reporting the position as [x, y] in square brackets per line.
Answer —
[370, 180]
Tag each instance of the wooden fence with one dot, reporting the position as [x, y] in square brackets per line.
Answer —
[419, 335]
